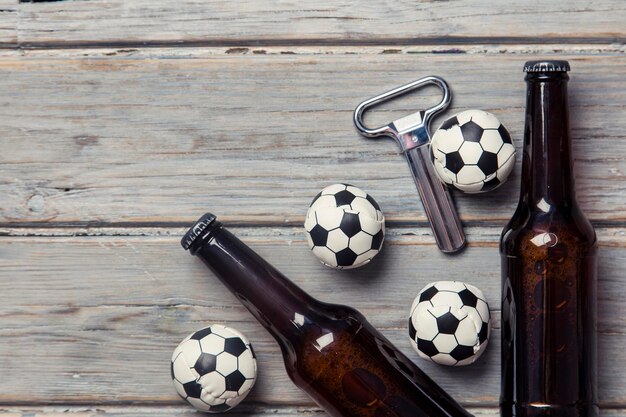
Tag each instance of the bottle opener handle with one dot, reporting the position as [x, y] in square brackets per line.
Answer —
[412, 134]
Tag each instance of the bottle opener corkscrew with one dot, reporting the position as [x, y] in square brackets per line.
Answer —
[413, 135]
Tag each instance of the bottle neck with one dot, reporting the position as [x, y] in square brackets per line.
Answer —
[547, 176]
[276, 302]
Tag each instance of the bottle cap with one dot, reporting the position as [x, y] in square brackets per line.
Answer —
[197, 230]
[546, 66]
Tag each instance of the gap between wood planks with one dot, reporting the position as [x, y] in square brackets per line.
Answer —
[247, 409]
[614, 236]
[99, 228]
[321, 42]
[173, 51]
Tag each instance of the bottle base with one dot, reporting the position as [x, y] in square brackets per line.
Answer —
[548, 410]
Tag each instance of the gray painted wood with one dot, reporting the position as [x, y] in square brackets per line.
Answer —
[109, 138]
[106, 21]
[109, 148]
[8, 22]
[94, 319]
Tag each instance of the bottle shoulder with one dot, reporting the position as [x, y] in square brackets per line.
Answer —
[536, 229]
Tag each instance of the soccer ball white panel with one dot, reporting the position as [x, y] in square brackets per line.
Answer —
[247, 364]
[445, 342]
[455, 286]
[325, 255]
[337, 240]
[506, 167]
[347, 234]
[364, 207]
[223, 331]
[370, 225]
[472, 188]
[465, 116]
[361, 242]
[227, 395]
[444, 359]
[475, 317]
[309, 221]
[483, 310]
[470, 174]
[426, 326]
[483, 119]
[467, 332]
[329, 217]
[231, 402]
[446, 141]
[447, 299]
[333, 189]
[491, 141]
[438, 155]
[191, 351]
[212, 344]
[321, 202]
[471, 152]
[226, 363]
[446, 324]
[182, 370]
[505, 154]
[213, 384]
[215, 368]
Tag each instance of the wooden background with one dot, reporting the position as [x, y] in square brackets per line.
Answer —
[122, 122]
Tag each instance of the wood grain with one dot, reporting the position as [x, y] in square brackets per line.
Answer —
[93, 320]
[288, 22]
[8, 23]
[112, 138]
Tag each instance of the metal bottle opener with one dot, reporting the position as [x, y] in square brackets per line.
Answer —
[413, 135]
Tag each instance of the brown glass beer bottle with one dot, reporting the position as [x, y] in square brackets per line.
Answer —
[548, 268]
[330, 351]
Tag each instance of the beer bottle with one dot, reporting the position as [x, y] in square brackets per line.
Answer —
[330, 351]
[548, 253]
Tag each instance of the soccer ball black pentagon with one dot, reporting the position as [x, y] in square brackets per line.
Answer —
[345, 227]
[214, 368]
[449, 323]
[473, 152]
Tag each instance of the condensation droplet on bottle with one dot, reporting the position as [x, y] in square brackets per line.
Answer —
[540, 267]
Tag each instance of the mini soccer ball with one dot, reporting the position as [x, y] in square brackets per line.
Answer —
[344, 226]
[473, 152]
[449, 323]
[214, 368]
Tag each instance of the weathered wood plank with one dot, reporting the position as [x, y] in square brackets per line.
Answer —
[155, 139]
[8, 23]
[181, 410]
[117, 21]
[94, 319]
